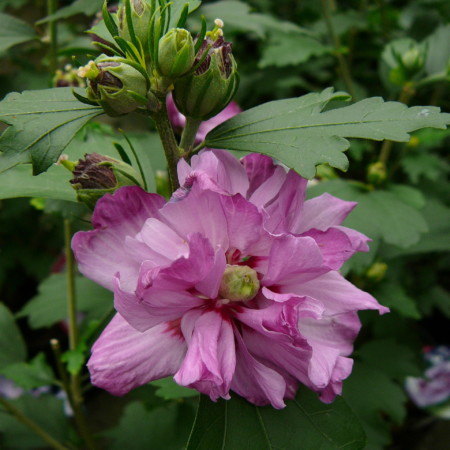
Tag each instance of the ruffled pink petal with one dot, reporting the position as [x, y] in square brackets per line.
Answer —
[322, 213]
[259, 168]
[285, 210]
[230, 111]
[341, 371]
[256, 382]
[156, 307]
[200, 211]
[358, 240]
[101, 253]
[335, 245]
[224, 169]
[210, 360]
[210, 284]
[293, 259]
[124, 358]
[336, 293]
[269, 189]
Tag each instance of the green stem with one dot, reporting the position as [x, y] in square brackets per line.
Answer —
[169, 142]
[74, 386]
[404, 97]
[33, 426]
[343, 65]
[189, 134]
[52, 6]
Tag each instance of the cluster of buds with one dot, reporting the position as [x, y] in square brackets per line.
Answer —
[148, 57]
[68, 77]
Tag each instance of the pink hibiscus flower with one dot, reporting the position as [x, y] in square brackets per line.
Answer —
[232, 285]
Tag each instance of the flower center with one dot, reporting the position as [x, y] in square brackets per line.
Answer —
[239, 283]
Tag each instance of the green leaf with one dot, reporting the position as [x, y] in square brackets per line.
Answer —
[30, 375]
[394, 359]
[426, 165]
[46, 410]
[305, 423]
[438, 55]
[14, 31]
[392, 295]
[20, 182]
[239, 17]
[379, 214]
[169, 390]
[162, 428]
[12, 345]
[177, 9]
[284, 49]
[437, 216]
[50, 305]
[75, 360]
[300, 135]
[86, 7]
[42, 124]
[437, 298]
[377, 401]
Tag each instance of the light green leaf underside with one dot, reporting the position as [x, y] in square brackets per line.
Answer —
[42, 123]
[305, 423]
[299, 134]
[14, 31]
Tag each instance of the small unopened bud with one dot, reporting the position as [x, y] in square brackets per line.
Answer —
[176, 53]
[97, 175]
[113, 84]
[140, 17]
[239, 283]
[211, 87]
[376, 271]
[376, 173]
[413, 60]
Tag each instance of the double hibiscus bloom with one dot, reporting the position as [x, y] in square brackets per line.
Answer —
[233, 284]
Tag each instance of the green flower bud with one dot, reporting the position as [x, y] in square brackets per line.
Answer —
[239, 283]
[211, 87]
[176, 53]
[113, 84]
[140, 17]
[376, 271]
[376, 173]
[97, 175]
[413, 60]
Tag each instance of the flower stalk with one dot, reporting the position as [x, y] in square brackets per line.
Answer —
[33, 426]
[170, 145]
[189, 134]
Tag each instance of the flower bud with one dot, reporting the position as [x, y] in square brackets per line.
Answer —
[112, 84]
[376, 173]
[97, 175]
[140, 17]
[413, 60]
[239, 283]
[176, 53]
[376, 271]
[211, 87]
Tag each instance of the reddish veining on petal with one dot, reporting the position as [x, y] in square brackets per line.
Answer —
[174, 328]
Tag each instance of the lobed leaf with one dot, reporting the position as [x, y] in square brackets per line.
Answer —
[14, 31]
[298, 133]
[42, 123]
[12, 345]
[305, 423]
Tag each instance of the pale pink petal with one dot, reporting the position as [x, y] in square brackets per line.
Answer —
[341, 371]
[335, 246]
[358, 240]
[205, 127]
[210, 360]
[256, 382]
[210, 284]
[200, 211]
[224, 169]
[102, 253]
[285, 211]
[293, 259]
[336, 293]
[322, 213]
[124, 358]
[269, 189]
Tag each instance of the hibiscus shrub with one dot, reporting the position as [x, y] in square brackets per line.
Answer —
[201, 265]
